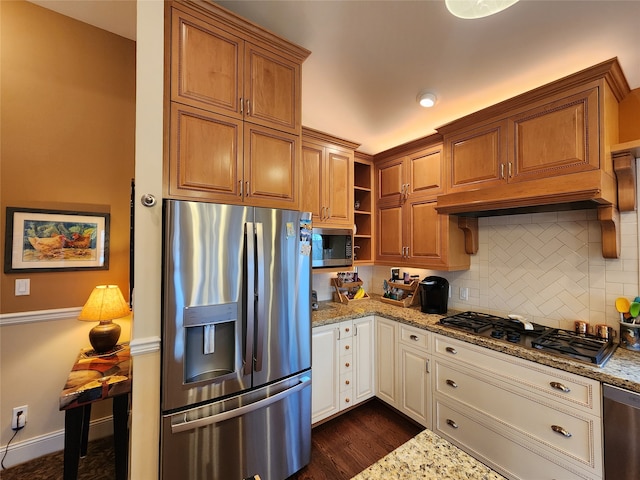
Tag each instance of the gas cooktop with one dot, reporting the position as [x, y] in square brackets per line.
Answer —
[565, 343]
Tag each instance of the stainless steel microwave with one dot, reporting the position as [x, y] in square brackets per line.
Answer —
[331, 247]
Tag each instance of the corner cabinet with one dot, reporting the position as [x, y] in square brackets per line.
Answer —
[326, 187]
[409, 230]
[342, 366]
[234, 109]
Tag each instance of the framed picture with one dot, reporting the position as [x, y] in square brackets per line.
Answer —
[51, 240]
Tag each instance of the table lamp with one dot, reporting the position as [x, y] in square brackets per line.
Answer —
[104, 304]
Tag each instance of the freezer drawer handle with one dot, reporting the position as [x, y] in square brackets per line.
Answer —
[221, 417]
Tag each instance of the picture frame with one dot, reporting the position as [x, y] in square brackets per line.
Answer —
[40, 240]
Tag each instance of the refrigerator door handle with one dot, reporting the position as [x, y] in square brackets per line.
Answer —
[262, 319]
[237, 412]
[250, 286]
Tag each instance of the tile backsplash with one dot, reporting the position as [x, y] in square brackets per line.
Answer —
[545, 266]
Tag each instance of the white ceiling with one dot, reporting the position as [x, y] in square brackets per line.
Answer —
[370, 59]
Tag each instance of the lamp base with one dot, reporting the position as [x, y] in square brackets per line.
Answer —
[104, 336]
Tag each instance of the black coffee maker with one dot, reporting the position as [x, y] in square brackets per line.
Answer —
[434, 295]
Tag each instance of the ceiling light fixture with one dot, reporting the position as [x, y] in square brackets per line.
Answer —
[477, 8]
[426, 99]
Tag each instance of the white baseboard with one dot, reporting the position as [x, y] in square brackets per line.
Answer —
[20, 452]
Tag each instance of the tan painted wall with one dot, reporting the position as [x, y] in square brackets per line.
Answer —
[67, 141]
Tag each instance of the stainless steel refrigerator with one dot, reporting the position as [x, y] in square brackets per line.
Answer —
[236, 342]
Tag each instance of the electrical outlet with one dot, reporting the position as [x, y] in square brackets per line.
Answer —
[18, 422]
[464, 293]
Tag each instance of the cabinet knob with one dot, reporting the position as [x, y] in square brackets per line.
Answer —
[451, 383]
[347, 382]
[451, 423]
[451, 350]
[347, 329]
[346, 347]
[560, 386]
[560, 430]
[346, 400]
[414, 338]
[347, 364]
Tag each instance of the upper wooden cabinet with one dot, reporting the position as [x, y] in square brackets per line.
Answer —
[547, 149]
[234, 109]
[213, 69]
[326, 187]
[409, 231]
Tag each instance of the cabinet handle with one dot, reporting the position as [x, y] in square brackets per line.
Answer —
[414, 337]
[451, 350]
[241, 106]
[510, 170]
[406, 191]
[339, 332]
[502, 170]
[451, 423]
[451, 383]
[347, 364]
[246, 188]
[427, 369]
[240, 188]
[328, 212]
[560, 430]
[560, 386]
[248, 107]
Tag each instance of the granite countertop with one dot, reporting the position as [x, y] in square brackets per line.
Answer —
[621, 370]
[428, 456]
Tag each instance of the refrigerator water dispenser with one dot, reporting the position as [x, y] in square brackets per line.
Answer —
[210, 332]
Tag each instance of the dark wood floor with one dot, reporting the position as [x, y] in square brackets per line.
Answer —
[346, 445]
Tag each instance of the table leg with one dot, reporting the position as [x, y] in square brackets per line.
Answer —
[86, 420]
[121, 435]
[72, 439]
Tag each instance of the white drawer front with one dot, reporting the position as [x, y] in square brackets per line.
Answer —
[346, 381]
[513, 459]
[346, 330]
[346, 398]
[572, 390]
[415, 337]
[573, 434]
[345, 346]
[346, 363]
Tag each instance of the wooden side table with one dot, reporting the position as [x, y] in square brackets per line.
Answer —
[95, 378]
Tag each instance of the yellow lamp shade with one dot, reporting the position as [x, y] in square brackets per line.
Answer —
[104, 304]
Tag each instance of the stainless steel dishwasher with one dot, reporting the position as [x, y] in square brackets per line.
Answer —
[621, 416]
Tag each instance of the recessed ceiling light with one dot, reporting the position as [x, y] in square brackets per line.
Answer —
[477, 8]
[426, 99]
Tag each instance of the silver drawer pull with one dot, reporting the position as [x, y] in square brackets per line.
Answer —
[559, 386]
[414, 337]
[451, 383]
[560, 430]
[451, 423]
[451, 350]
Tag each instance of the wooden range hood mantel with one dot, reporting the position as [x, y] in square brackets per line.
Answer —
[494, 158]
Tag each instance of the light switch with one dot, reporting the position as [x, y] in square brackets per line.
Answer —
[23, 286]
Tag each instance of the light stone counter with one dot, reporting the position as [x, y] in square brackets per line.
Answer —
[622, 369]
[428, 456]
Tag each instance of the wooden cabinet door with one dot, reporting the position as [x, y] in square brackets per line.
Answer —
[390, 239]
[325, 394]
[477, 158]
[415, 385]
[426, 233]
[339, 193]
[558, 138]
[390, 178]
[364, 358]
[426, 171]
[206, 65]
[272, 90]
[312, 185]
[386, 339]
[205, 153]
[271, 167]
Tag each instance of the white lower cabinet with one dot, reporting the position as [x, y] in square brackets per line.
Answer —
[342, 366]
[386, 340]
[526, 420]
[414, 361]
